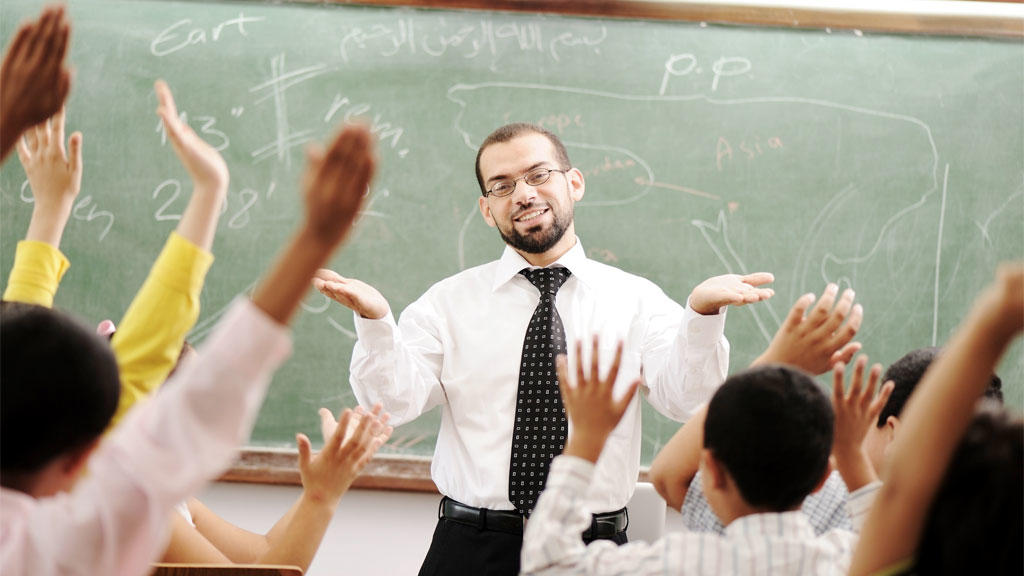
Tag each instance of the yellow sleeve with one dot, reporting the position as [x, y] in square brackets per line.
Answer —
[149, 337]
[37, 271]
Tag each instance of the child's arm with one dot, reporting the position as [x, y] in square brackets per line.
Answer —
[856, 410]
[33, 79]
[678, 460]
[55, 180]
[151, 333]
[167, 448]
[935, 419]
[294, 539]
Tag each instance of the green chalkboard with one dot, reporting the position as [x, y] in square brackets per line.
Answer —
[893, 164]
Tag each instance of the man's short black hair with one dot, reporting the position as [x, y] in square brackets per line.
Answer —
[771, 428]
[515, 130]
[908, 371]
[975, 525]
[59, 387]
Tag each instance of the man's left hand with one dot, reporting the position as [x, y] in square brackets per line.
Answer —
[730, 290]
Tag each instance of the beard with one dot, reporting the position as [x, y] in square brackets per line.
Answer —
[538, 240]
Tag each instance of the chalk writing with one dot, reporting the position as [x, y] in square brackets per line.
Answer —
[161, 213]
[747, 148]
[678, 188]
[468, 40]
[274, 89]
[219, 140]
[679, 65]
[560, 121]
[609, 166]
[182, 34]
[86, 203]
[26, 198]
[385, 132]
[248, 198]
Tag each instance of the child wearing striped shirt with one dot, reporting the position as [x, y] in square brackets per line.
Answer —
[768, 436]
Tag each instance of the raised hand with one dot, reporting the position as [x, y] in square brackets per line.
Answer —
[33, 79]
[590, 405]
[817, 341]
[856, 410]
[336, 183]
[328, 425]
[55, 178]
[204, 164]
[1003, 301]
[730, 290]
[328, 475]
[354, 294]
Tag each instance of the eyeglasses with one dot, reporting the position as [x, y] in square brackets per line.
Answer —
[503, 188]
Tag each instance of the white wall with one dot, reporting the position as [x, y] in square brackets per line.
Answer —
[383, 533]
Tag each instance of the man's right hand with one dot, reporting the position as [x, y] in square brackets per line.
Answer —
[354, 294]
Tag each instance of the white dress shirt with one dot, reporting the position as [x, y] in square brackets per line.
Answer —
[460, 344]
[773, 543]
[115, 520]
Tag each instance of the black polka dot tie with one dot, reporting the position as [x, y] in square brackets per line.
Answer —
[540, 428]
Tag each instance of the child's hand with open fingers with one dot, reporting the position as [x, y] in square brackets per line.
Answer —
[328, 475]
[856, 410]
[591, 406]
[54, 175]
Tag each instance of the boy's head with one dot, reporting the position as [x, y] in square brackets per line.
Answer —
[905, 373]
[60, 387]
[975, 525]
[767, 440]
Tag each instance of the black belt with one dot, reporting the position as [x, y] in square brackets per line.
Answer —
[603, 525]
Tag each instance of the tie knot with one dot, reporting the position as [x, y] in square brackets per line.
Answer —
[547, 280]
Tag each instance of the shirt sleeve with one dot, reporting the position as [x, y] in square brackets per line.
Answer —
[149, 338]
[115, 520]
[552, 544]
[684, 359]
[399, 365]
[860, 503]
[37, 271]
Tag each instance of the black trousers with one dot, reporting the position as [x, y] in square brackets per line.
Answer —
[460, 550]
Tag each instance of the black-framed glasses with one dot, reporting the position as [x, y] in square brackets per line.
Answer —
[536, 177]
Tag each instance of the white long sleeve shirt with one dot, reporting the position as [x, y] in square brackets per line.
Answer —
[773, 543]
[114, 521]
[460, 345]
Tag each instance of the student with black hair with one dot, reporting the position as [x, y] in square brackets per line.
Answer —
[149, 337]
[954, 484]
[113, 520]
[679, 482]
[768, 435]
[905, 374]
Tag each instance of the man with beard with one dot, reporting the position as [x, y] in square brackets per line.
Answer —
[461, 346]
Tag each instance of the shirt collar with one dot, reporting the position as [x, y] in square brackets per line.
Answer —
[794, 523]
[512, 262]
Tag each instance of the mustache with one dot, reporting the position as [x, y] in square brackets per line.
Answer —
[532, 207]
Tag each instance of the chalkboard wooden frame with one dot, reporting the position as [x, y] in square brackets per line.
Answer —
[384, 472]
[931, 18]
[412, 473]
